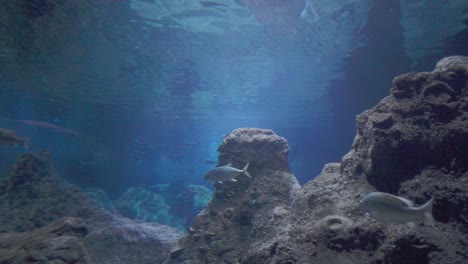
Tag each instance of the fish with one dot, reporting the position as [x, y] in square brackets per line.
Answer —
[44, 125]
[10, 138]
[391, 209]
[225, 173]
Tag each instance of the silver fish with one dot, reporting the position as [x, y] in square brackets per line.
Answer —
[391, 209]
[10, 138]
[225, 173]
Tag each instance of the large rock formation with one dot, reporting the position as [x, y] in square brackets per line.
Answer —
[413, 144]
[243, 213]
[46, 220]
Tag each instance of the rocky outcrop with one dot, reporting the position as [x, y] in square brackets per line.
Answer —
[422, 124]
[412, 144]
[243, 212]
[260, 146]
[414, 141]
[46, 220]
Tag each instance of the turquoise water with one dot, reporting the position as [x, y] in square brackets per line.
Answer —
[152, 87]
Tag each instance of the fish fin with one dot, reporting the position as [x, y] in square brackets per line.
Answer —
[244, 170]
[409, 203]
[427, 209]
[228, 165]
[429, 218]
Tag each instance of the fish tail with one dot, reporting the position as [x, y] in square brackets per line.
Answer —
[427, 210]
[244, 170]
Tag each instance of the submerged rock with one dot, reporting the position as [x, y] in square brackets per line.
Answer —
[141, 203]
[168, 204]
[164, 204]
[259, 146]
[429, 113]
[412, 144]
[244, 211]
[46, 220]
[100, 198]
[58, 242]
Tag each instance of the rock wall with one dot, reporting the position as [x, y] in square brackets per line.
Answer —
[46, 220]
[412, 144]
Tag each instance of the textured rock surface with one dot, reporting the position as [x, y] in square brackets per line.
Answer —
[141, 203]
[260, 146]
[413, 144]
[59, 242]
[175, 205]
[34, 202]
[241, 213]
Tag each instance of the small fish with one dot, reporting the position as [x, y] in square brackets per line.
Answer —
[391, 209]
[225, 173]
[10, 138]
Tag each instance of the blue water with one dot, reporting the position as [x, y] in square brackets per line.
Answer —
[152, 88]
